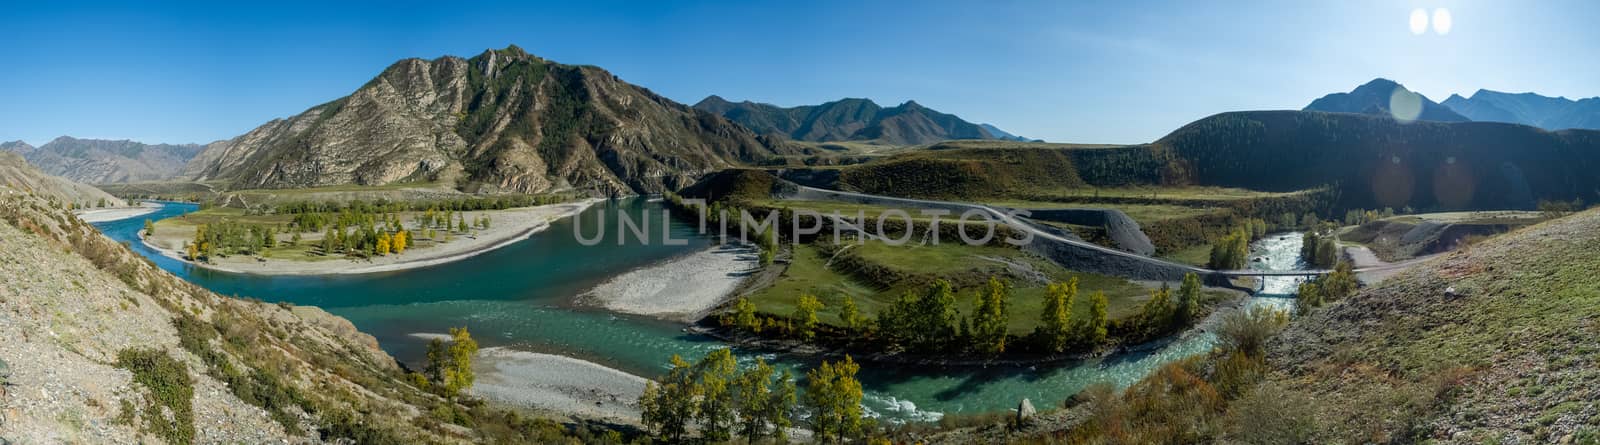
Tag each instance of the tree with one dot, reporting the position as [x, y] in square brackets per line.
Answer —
[401, 240]
[922, 322]
[805, 315]
[781, 405]
[1157, 312]
[1327, 252]
[1339, 284]
[715, 375]
[149, 228]
[462, 348]
[1231, 251]
[1308, 247]
[763, 403]
[461, 223]
[990, 319]
[294, 239]
[330, 242]
[667, 408]
[1096, 326]
[1188, 298]
[752, 395]
[1308, 297]
[849, 314]
[744, 316]
[768, 243]
[834, 396]
[193, 250]
[1055, 323]
[450, 364]
[382, 247]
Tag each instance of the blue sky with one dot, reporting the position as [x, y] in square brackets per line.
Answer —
[1114, 72]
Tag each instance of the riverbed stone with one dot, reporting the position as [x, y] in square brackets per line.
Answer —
[1025, 411]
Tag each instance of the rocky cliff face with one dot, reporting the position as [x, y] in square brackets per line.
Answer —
[21, 177]
[96, 161]
[849, 119]
[504, 121]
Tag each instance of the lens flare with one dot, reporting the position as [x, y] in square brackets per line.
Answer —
[1419, 21]
[1405, 105]
[1441, 21]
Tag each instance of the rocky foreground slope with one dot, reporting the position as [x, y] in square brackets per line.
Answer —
[502, 121]
[103, 347]
[1495, 343]
[17, 175]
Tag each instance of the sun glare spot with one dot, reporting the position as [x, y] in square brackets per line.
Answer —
[1405, 105]
[1441, 21]
[1419, 21]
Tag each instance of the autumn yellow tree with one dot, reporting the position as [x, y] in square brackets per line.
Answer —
[805, 315]
[1055, 324]
[383, 244]
[834, 396]
[401, 240]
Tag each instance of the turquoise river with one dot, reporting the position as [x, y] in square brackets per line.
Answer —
[522, 296]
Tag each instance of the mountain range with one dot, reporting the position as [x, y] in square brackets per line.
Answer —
[1550, 113]
[1531, 109]
[1385, 97]
[504, 120]
[98, 161]
[852, 119]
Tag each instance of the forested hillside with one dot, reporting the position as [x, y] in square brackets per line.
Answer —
[1380, 162]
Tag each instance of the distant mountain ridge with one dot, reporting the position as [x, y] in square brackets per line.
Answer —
[98, 161]
[503, 121]
[1550, 113]
[850, 119]
[1375, 97]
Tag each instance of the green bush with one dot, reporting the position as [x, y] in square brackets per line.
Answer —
[169, 414]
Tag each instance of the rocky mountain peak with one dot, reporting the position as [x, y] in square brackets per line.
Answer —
[503, 120]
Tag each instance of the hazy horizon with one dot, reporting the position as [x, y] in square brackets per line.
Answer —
[182, 73]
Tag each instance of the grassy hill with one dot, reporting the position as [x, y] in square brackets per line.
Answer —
[1491, 344]
[1499, 340]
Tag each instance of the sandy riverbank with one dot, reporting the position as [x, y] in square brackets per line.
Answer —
[558, 384]
[510, 226]
[682, 288]
[102, 215]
